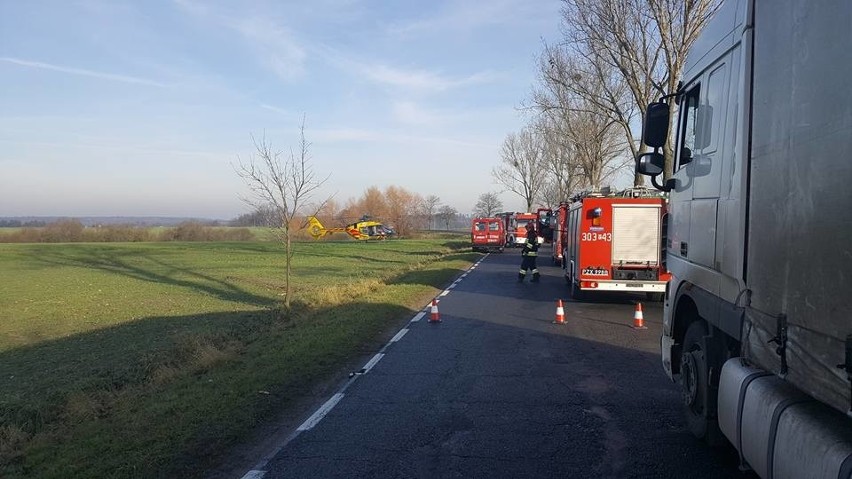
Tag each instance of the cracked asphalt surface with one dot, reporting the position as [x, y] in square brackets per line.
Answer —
[496, 390]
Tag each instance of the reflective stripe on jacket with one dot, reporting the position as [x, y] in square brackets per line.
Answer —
[530, 248]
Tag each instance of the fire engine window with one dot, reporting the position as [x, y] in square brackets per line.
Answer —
[689, 122]
[479, 227]
[493, 226]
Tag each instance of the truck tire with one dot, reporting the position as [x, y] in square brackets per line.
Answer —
[576, 292]
[698, 400]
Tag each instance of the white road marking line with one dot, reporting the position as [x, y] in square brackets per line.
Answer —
[399, 335]
[321, 412]
[372, 362]
[452, 286]
[464, 275]
[419, 316]
[446, 292]
[254, 474]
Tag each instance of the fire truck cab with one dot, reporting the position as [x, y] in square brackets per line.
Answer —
[520, 226]
[615, 244]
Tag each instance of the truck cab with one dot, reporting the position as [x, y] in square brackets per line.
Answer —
[756, 324]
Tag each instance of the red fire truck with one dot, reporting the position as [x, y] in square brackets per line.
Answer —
[615, 244]
[518, 236]
[560, 221]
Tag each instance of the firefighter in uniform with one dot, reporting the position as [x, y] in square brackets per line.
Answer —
[529, 254]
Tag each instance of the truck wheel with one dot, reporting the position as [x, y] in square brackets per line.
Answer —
[699, 405]
[576, 292]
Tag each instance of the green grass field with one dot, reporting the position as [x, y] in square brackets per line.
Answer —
[151, 359]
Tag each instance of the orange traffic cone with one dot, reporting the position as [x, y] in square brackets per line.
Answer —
[435, 317]
[638, 318]
[560, 313]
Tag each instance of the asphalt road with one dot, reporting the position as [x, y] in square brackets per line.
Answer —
[497, 390]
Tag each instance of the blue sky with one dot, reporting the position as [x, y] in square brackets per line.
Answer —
[142, 108]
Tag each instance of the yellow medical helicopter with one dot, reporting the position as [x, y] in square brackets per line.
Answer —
[362, 230]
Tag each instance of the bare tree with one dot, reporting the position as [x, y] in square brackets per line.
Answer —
[489, 204]
[572, 85]
[521, 171]
[644, 42]
[284, 183]
[447, 214]
[429, 206]
[564, 175]
[595, 139]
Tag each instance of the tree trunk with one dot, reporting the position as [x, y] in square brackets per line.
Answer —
[288, 256]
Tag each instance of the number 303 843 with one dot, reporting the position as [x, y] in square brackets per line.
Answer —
[596, 237]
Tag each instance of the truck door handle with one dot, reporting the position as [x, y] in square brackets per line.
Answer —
[683, 249]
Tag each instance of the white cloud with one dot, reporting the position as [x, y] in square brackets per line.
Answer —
[410, 112]
[334, 135]
[274, 45]
[465, 16]
[83, 72]
[276, 109]
[346, 134]
[419, 79]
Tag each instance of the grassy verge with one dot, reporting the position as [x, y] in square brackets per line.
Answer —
[149, 360]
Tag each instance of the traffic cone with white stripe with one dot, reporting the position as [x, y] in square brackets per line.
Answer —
[638, 318]
[560, 313]
[435, 317]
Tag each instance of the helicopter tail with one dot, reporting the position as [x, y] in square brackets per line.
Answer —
[315, 228]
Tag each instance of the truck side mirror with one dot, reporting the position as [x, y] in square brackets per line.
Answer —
[650, 164]
[655, 128]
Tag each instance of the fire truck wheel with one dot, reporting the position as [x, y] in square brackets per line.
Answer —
[576, 292]
[699, 406]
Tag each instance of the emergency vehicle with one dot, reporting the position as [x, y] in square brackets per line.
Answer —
[560, 220]
[519, 235]
[545, 219]
[614, 244]
[508, 219]
[487, 234]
